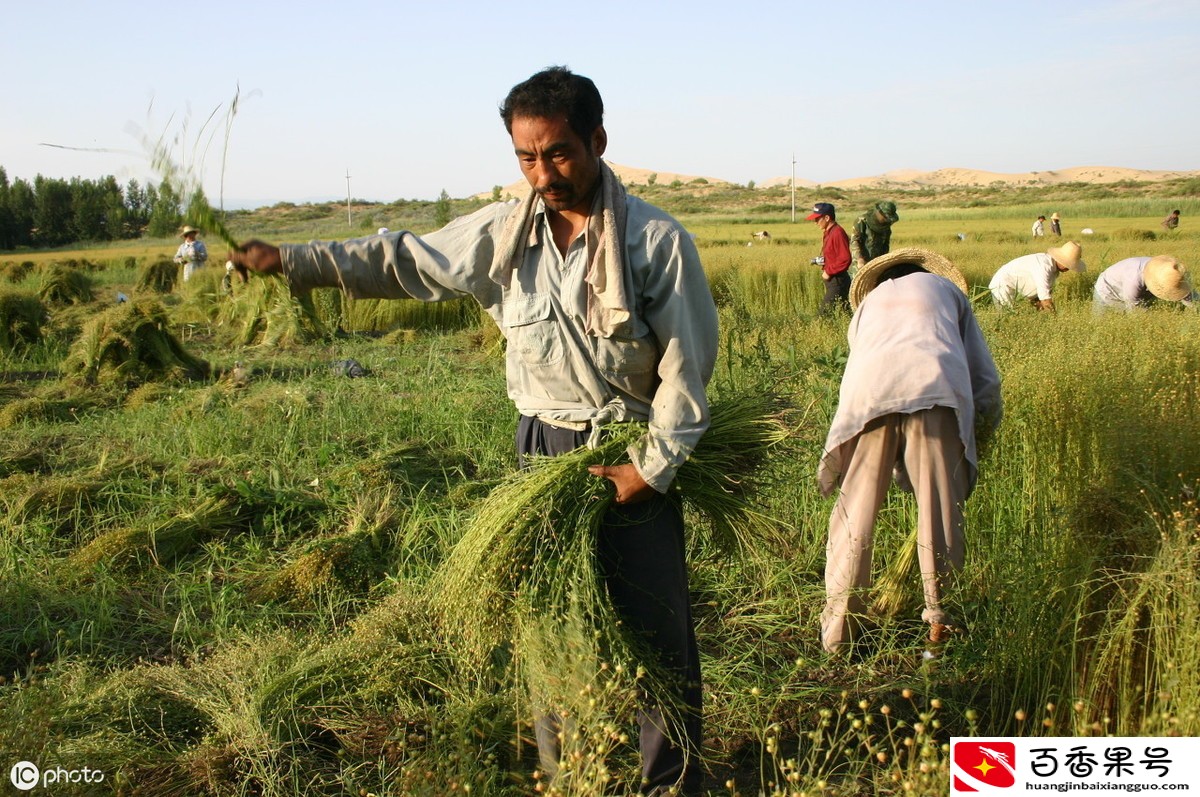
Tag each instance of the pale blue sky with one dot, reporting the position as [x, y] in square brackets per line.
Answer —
[404, 95]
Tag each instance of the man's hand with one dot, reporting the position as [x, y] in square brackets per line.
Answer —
[631, 487]
[1044, 304]
[256, 256]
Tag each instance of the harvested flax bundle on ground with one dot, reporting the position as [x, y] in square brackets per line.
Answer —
[21, 319]
[608, 318]
[129, 344]
[266, 313]
[158, 276]
[531, 573]
[63, 285]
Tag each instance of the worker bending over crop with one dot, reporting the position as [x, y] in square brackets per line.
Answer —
[1032, 277]
[1142, 281]
[918, 383]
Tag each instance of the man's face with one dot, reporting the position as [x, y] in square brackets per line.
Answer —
[560, 165]
[823, 222]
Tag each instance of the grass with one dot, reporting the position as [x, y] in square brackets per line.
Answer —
[220, 586]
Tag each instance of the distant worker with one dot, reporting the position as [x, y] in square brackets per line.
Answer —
[1140, 281]
[872, 232]
[919, 383]
[192, 253]
[1171, 222]
[1032, 276]
[1039, 227]
[835, 258]
[1056, 224]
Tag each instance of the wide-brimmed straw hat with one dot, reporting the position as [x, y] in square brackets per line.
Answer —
[1054, 217]
[1067, 256]
[1167, 278]
[868, 276]
[189, 229]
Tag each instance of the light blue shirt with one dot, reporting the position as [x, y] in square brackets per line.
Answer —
[555, 370]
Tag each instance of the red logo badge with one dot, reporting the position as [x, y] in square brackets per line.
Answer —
[983, 765]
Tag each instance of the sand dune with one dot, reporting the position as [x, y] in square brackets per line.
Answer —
[629, 176]
[948, 178]
[911, 179]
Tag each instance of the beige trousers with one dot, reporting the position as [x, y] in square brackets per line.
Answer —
[928, 445]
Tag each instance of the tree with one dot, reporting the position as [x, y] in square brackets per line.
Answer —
[442, 212]
[22, 201]
[496, 189]
[167, 213]
[7, 220]
[87, 212]
[113, 203]
[52, 213]
[136, 210]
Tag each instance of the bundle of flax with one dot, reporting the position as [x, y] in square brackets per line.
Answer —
[523, 579]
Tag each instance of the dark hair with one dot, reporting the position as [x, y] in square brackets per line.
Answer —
[900, 270]
[1176, 212]
[553, 92]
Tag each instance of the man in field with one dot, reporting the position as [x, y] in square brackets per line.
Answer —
[1171, 222]
[1141, 281]
[835, 257]
[1032, 277]
[608, 317]
[918, 383]
[872, 235]
[191, 254]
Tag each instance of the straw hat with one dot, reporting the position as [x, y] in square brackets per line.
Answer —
[868, 276]
[1067, 256]
[1054, 216]
[189, 229]
[1167, 278]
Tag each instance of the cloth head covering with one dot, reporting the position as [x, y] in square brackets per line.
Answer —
[888, 209]
[821, 209]
[608, 311]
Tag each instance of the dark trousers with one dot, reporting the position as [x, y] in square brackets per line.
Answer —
[837, 293]
[641, 556]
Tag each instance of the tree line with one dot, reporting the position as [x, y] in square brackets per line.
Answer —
[53, 212]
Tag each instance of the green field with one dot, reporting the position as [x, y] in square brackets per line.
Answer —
[218, 585]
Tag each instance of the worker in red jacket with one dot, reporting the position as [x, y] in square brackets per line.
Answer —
[835, 258]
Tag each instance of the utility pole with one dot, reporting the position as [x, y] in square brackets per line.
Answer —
[793, 188]
[348, 222]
